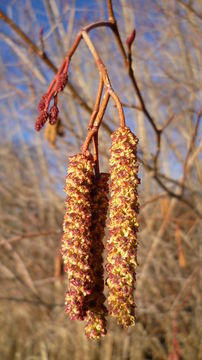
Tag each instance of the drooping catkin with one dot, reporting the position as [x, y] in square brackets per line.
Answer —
[77, 240]
[123, 226]
[96, 311]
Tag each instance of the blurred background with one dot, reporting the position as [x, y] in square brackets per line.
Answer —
[164, 112]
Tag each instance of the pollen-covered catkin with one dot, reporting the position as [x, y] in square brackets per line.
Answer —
[95, 319]
[123, 226]
[77, 240]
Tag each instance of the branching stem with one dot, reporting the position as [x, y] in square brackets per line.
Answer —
[97, 122]
[105, 77]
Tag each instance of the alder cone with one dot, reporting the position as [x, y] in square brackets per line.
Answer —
[77, 240]
[123, 227]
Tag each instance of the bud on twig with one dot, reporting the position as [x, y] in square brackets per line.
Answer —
[130, 39]
[43, 116]
[42, 103]
[61, 82]
[53, 115]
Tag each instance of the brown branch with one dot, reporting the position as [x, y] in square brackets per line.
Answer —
[153, 199]
[115, 30]
[97, 122]
[30, 301]
[180, 299]
[92, 119]
[96, 154]
[28, 235]
[97, 103]
[165, 177]
[190, 149]
[190, 8]
[105, 77]
[178, 196]
[132, 106]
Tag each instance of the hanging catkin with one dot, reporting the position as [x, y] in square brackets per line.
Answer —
[77, 240]
[96, 321]
[123, 226]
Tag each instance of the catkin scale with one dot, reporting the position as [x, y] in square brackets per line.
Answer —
[123, 226]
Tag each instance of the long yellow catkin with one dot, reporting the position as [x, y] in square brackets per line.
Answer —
[77, 240]
[123, 226]
[95, 319]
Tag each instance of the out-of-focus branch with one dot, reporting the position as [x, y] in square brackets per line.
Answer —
[27, 40]
[178, 196]
[30, 301]
[28, 236]
[183, 294]
[21, 268]
[190, 149]
[190, 8]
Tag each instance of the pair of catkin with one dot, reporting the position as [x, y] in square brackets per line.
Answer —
[84, 227]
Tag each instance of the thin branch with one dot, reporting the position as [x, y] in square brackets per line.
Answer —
[28, 236]
[105, 77]
[190, 8]
[90, 126]
[30, 301]
[178, 196]
[190, 149]
[97, 123]
[97, 103]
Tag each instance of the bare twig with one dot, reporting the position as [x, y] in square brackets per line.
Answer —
[105, 77]
[97, 123]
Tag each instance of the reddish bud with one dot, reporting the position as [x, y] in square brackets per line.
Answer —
[41, 31]
[61, 82]
[53, 115]
[130, 39]
[42, 103]
[43, 116]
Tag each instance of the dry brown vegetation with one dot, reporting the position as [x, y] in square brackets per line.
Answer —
[166, 62]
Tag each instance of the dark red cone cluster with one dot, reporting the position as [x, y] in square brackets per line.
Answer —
[42, 118]
[53, 115]
[57, 85]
